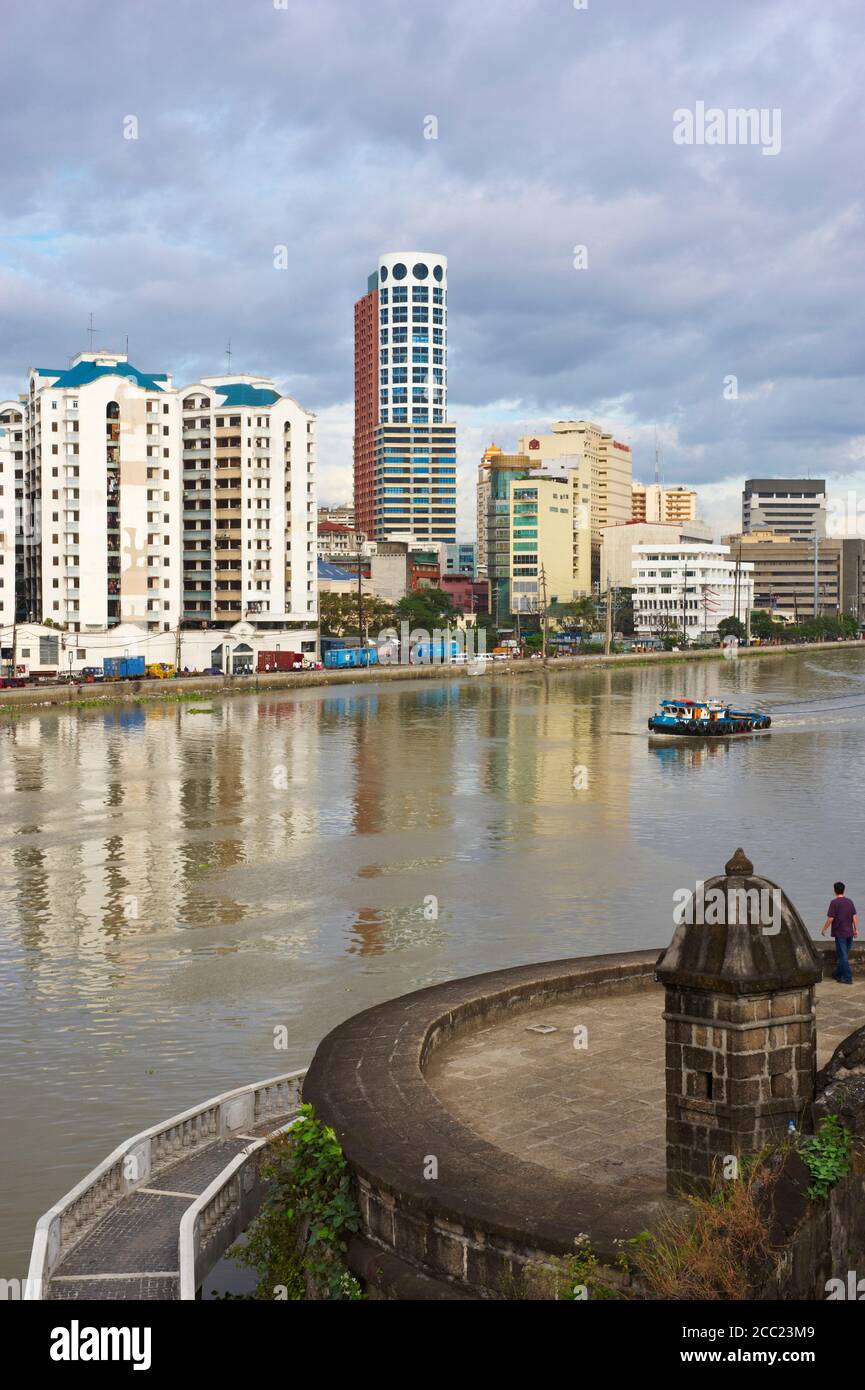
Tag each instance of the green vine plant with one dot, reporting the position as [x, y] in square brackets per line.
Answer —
[298, 1244]
[827, 1154]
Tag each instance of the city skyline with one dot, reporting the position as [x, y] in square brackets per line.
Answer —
[602, 269]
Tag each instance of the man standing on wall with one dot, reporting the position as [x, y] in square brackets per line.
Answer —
[842, 918]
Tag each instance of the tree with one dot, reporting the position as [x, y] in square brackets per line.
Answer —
[339, 618]
[732, 627]
[582, 612]
[762, 625]
[427, 608]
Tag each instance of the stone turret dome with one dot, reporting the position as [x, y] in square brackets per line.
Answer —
[741, 935]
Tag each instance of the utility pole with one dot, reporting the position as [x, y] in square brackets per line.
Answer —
[608, 621]
[360, 599]
[685, 606]
[544, 613]
[177, 649]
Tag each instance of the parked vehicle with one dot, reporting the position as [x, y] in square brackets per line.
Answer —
[89, 674]
[122, 668]
[160, 670]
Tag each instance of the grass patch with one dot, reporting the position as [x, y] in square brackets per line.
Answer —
[716, 1249]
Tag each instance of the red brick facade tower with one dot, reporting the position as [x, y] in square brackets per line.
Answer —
[365, 408]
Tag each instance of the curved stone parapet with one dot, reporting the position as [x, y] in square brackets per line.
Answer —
[487, 1212]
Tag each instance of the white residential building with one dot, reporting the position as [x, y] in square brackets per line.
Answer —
[102, 496]
[151, 508]
[249, 505]
[693, 585]
[11, 484]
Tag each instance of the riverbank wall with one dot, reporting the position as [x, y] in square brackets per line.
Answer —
[81, 696]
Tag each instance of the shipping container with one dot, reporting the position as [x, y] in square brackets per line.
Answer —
[279, 661]
[122, 668]
[341, 658]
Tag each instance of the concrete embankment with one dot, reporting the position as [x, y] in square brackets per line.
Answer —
[73, 696]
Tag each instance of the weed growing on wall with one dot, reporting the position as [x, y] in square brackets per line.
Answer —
[298, 1243]
[827, 1154]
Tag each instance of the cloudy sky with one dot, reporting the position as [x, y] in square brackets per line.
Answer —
[301, 123]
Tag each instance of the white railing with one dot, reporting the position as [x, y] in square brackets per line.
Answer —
[221, 1214]
[138, 1160]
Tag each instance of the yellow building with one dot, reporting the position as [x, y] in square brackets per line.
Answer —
[541, 527]
[654, 502]
[601, 482]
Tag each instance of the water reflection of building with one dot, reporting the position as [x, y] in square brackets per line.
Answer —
[395, 745]
[552, 743]
[141, 811]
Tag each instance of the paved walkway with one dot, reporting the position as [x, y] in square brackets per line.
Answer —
[133, 1251]
[599, 1111]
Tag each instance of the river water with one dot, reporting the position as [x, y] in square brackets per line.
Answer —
[182, 892]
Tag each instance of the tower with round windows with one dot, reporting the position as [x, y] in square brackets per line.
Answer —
[404, 447]
[412, 323]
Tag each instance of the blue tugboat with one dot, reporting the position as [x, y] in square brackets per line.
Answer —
[705, 719]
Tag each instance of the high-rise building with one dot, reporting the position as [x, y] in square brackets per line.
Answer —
[681, 588]
[404, 445]
[11, 499]
[601, 484]
[249, 505]
[501, 470]
[482, 491]
[654, 502]
[160, 508]
[102, 543]
[790, 506]
[540, 542]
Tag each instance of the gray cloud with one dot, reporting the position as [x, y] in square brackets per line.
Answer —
[304, 127]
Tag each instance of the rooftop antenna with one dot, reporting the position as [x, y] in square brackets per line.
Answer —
[657, 466]
[127, 347]
[228, 355]
[91, 330]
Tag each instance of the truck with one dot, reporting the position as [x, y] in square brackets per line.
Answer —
[279, 661]
[343, 658]
[159, 670]
[122, 668]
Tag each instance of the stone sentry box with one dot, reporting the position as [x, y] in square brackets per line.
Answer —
[739, 1024]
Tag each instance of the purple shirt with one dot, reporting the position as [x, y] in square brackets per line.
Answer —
[842, 911]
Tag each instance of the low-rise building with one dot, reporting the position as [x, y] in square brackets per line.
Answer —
[459, 558]
[785, 574]
[402, 567]
[688, 589]
[336, 540]
[617, 544]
